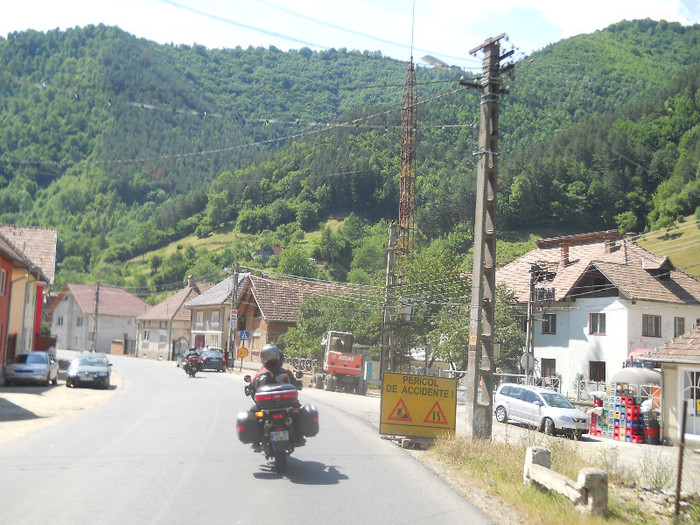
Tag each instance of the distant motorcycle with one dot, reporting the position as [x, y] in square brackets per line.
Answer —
[191, 365]
[277, 423]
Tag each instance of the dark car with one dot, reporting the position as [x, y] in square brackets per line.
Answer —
[89, 369]
[212, 360]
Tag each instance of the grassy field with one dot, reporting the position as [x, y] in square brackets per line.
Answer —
[681, 243]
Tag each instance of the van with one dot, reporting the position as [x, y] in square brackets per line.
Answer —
[547, 410]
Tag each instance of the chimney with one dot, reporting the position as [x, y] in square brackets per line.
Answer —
[564, 254]
[631, 237]
[190, 281]
[609, 243]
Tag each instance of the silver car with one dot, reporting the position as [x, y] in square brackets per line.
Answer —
[32, 367]
[546, 410]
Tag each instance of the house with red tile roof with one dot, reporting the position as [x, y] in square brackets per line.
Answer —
[268, 307]
[680, 370]
[265, 308]
[164, 330]
[33, 260]
[597, 297]
[19, 280]
[83, 313]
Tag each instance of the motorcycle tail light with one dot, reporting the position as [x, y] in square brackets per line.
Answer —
[275, 396]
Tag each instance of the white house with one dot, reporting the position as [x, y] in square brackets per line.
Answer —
[598, 297]
[74, 313]
[164, 330]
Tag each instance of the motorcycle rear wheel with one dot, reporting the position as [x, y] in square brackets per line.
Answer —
[280, 462]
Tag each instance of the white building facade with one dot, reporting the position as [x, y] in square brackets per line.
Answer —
[597, 299]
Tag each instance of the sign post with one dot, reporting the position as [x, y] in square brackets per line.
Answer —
[242, 353]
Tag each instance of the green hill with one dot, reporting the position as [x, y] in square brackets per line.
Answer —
[126, 147]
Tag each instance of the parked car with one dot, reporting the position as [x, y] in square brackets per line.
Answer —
[32, 367]
[546, 410]
[89, 369]
[212, 359]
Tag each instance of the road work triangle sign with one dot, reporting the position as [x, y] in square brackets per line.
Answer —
[400, 413]
[436, 416]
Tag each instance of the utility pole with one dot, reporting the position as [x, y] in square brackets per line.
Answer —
[480, 365]
[530, 333]
[387, 360]
[93, 344]
[233, 321]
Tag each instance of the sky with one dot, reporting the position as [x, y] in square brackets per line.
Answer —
[446, 29]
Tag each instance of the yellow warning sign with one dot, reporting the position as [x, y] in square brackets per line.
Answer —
[400, 413]
[432, 401]
[436, 415]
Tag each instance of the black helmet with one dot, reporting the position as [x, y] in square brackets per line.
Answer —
[271, 356]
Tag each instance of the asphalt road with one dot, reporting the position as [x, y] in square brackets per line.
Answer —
[161, 448]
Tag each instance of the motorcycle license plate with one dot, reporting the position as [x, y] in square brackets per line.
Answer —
[280, 435]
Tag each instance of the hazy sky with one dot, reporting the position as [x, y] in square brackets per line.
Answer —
[447, 29]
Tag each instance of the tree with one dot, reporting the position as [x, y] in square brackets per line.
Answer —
[295, 261]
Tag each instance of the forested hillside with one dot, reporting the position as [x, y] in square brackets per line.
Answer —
[125, 145]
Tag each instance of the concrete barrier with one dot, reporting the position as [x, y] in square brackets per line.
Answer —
[589, 493]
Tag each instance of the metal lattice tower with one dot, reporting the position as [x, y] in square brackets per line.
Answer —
[409, 134]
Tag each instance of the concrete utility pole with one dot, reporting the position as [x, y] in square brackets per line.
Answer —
[480, 366]
[530, 332]
[387, 359]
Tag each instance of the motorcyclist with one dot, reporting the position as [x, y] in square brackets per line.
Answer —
[191, 354]
[273, 372]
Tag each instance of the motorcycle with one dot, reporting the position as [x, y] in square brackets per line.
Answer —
[191, 365]
[277, 423]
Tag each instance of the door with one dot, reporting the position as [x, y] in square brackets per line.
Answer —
[532, 408]
[691, 394]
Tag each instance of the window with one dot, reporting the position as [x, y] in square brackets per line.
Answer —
[215, 317]
[199, 319]
[146, 335]
[549, 324]
[79, 321]
[596, 324]
[59, 321]
[531, 397]
[596, 370]
[214, 341]
[522, 323]
[651, 325]
[3, 281]
[678, 326]
[163, 336]
[549, 367]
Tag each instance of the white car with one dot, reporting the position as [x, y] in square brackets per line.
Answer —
[32, 367]
[546, 410]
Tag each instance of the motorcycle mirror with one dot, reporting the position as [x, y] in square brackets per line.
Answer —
[247, 378]
[299, 374]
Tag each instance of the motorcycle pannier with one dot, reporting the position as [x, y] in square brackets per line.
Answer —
[248, 428]
[308, 420]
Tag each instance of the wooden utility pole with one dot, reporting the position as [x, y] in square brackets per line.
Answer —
[93, 344]
[480, 365]
[233, 321]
